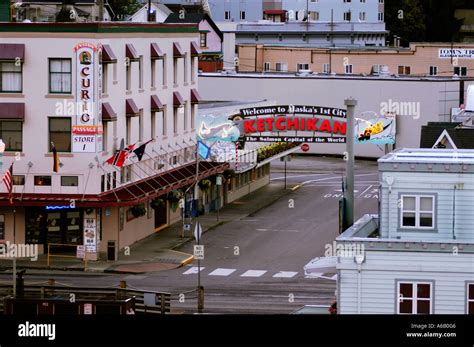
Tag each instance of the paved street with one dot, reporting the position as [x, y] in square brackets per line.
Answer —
[255, 265]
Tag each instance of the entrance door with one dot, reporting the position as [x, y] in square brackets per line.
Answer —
[64, 227]
[161, 215]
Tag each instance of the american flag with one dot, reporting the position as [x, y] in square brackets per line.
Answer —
[8, 180]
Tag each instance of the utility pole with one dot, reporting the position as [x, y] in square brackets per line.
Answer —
[350, 105]
[149, 11]
[101, 10]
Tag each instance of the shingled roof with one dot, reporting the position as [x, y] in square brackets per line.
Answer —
[463, 138]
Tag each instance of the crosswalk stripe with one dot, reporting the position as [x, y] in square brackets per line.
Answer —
[285, 274]
[253, 273]
[193, 270]
[221, 272]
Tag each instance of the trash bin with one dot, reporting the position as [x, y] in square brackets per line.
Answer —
[112, 250]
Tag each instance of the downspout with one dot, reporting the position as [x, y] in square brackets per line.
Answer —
[359, 268]
[454, 211]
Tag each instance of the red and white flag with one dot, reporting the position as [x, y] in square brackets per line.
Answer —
[8, 180]
[118, 159]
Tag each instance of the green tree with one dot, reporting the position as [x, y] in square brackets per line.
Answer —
[406, 19]
[122, 8]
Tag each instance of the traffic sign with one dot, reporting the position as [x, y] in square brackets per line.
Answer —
[197, 231]
[187, 227]
[218, 180]
[305, 147]
[199, 252]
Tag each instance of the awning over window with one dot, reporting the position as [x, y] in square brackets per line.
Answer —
[195, 97]
[108, 55]
[127, 195]
[12, 110]
[177, 99]
[131, 109]
[195, 50]
[155, 103]
[12, 51]
[108, 113]
[177, 50]
[155, 51]
[130, 52]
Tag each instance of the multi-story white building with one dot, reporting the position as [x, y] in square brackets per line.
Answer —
[417, 255]
[139, 83]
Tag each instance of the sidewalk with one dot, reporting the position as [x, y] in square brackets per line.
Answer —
[158, 251]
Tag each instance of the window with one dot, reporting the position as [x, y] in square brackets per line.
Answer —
[381, 16]
[164, 71]
[128, 77]
[128, 129]
[326, 68]
[470, 298]
[362, 16]
[18, 180]
[302, 67]
[140, 72]
[105, 78]
[363, 1]
[227, 15]
[347, 16]
[2, 227]
[69, 181]
[414, 298]
[153, 125]
[417, 211]
[175, 119]
[125, 174]
[242, 15]
[348, 68]
[185, 111]
[203, 39]
[380, 1]
[153, 73]
[281, 66]
[460, 70]
[280, 37]
[193, 115]
[105, 135]
[193, 69]
[60, 134]
[313, 15]
[60, 80]
[11, 77]
[164, 124]
[403, 70]
[175, 71]
[185, 66]
[433, 70]
[266, 66]
[42, 180]
[140, 125]
[11, 134]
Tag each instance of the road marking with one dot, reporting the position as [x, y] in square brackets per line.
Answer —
[296, 187]
[193, 270]
[285, 274]
[135, 277]
[221, 272]
[335, 177]
[296, 176]
[280, 230]
[365, 190]
[253, 273]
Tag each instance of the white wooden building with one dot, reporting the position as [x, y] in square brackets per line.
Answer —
[419, 250]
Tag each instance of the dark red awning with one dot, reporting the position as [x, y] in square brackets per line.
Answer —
[130, 52]
[12, 51]
[108, 113]
[108, 55]
[195, 97]
[278, 12]
[177, 50]
[195, 50]
[127, 195]
[131, 109]
[155, 51]
[177, 99]
[155, 103]
[12, 110]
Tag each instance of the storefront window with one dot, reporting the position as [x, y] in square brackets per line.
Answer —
[2, 227]
[42, 180]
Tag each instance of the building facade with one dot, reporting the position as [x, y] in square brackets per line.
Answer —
[420, 59]
[104, 88]
[416, 255]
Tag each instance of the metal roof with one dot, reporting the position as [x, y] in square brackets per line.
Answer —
[435, 156]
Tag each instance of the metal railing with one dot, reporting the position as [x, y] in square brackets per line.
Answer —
[65, 256]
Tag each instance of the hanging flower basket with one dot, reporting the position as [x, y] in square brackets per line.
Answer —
[229, 173]
[174, 197]
[139, 210]
[157, 203]
[204, 184]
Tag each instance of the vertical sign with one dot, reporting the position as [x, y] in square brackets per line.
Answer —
[97, 104]
[90, 231]
[84, 128]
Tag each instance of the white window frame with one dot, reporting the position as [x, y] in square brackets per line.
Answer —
[415, 298]
[347, 16]
[348, 69]
[326, 68]
[283, 67]
[266, 66]
[460, 70]
[467, 297]
[302, 66]
[433, 70]
[418, 211]
[226, 15]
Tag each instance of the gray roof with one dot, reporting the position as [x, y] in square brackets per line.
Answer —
[429, 156]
